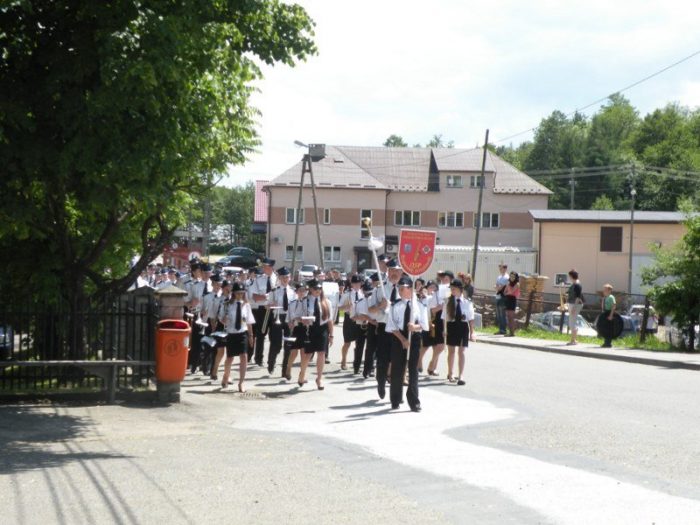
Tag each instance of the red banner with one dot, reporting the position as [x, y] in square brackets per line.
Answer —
[416, 250]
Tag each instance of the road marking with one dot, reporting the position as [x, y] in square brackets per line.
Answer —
[349, 412]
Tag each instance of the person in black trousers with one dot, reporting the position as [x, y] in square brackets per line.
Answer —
[405, 322]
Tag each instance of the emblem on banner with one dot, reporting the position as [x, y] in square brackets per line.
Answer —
[417, 250]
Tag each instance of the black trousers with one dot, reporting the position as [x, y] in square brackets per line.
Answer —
[259, 314]
[383, 355]
[360, 347]
[370, 349]
[277, 332]
[399, 358]
[194, 358]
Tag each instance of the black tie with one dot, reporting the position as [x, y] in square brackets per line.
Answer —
[458, 311]
[269, 286]
[317, 313]
[393, 295]
[285, 299]
[357, 296]
[238, 315]
[406, 317]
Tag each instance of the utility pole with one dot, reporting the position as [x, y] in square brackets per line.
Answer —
[313, 196]
[296, 220]
[633, 194]
[572, 182]
[482, 183]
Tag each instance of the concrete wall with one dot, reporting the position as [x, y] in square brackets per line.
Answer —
[566, 245]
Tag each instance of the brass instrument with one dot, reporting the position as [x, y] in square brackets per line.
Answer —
[367, 222]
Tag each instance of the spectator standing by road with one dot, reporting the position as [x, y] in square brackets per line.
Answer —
[501, 282]
[511, 293]
[608, 305]
[575, 304]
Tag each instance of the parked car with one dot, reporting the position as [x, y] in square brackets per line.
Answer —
[234, 269]
[306, 272]
[368, 272]
[7, 341]
[240, 256]
[636, 313]
[549, 321]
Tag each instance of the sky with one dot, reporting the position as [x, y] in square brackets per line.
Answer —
[456, 68]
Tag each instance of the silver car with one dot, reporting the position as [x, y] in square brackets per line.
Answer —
[549, 321]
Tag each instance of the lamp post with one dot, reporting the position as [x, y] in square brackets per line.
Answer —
[633, 194]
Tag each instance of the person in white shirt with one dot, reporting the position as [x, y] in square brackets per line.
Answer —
[239, 321]
[405, 322]
[260, 294]
[281, 296]
[320, 331]
[350, 296]
[424, 296]
[372, 296]
[501, 282]
[437, 305]
[219, 312]
[297, 310]
[458, 312]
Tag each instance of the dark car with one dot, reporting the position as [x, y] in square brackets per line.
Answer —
[7, 342]
[240, 256]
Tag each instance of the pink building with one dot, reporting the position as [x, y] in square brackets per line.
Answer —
[420, 188]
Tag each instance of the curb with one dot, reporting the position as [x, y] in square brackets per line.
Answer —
[597, 355]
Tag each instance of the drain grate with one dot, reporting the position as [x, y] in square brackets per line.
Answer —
[251, 395]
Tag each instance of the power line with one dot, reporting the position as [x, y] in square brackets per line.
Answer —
[603, 99]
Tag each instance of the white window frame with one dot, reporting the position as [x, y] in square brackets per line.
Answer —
[488, 224]
[475, 181]
[444, 219]
[364, 233]
[334, 254]
[326, 215]
[289, 249]
[294, 215]
[400, 218]
[455, 181]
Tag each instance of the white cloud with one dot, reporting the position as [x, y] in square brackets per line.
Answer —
[458, 67]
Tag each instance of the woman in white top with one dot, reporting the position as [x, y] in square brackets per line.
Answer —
[458, 312]
[297, 310]
[239, 321]
[320, 331]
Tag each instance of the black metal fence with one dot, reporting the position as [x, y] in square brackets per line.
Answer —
[121, 327]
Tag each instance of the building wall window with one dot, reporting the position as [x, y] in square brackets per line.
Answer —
[489, 220]
[406, 218]
[364, 232]
[326, 215]
[611, 238]
[476, 181]
[291, 216]
[331, 254]
[454, 181]
[289, 250]
[451, 219]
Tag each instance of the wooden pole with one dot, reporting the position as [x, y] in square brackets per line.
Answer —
[313, 195]
[478, 210]
[298, 213]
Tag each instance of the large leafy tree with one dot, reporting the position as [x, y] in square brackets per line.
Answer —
[674, 277]
[395, 141]
[114, 116]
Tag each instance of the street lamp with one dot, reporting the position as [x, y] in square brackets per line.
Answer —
[633, 194]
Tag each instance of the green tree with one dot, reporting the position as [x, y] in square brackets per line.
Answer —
[114, 117]
[395, 141]
[602, 202]
[438, 142]
[674, 277]
[234, 208]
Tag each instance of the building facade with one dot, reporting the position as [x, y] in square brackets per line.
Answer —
[597, 244]
[418, 188]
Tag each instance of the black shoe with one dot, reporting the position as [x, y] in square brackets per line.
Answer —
[371, 374]
[416, 408]
[270, 369]
[461, 382]
[355, 371]
[259, 363]
[394, 407]
[381, 391]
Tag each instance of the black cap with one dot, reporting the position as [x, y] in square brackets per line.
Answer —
[356, 279]
[457, 284]
[313, 284]
[446, 273]
[299, 286]
[194, 266]
[393, 264]
[405, 281]
[237, 287]
[258, 271]
[367, 286]
[216, 278]
[283, 271]
[225, 283]
[375, 277]
[205, 267]
[430, 283]
[383, 257]
[268, 262]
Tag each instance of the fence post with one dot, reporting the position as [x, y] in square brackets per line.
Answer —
[530, 300]
[645, 319]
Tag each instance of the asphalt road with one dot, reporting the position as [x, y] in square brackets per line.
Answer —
[533, 438]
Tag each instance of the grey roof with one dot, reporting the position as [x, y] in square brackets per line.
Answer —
[405, 169]
[605, 216]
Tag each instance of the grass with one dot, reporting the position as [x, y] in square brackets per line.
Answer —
[651, 344]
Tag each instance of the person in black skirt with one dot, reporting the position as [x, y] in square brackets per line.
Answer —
[239, 321]
[425, 297]
[320, 331]
[350, 328]
[297, 310]
[458, 312]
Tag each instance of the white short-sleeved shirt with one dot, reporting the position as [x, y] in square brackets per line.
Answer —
[259, 287]
[396, 313]
[246, 317]
[466, 306]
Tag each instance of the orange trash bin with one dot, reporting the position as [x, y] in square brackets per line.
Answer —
[172, 342]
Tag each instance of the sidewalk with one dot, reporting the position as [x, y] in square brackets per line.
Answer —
[664, 359]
